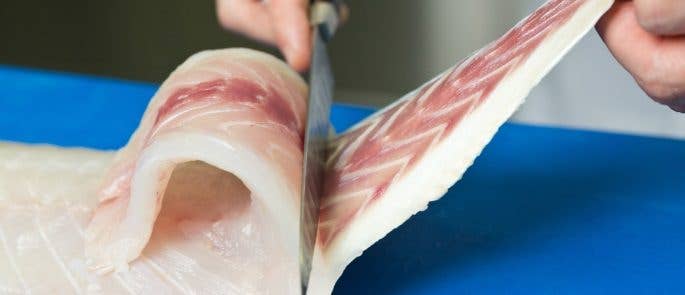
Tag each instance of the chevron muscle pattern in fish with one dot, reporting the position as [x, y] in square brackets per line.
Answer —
[204, 198]
[391, 165]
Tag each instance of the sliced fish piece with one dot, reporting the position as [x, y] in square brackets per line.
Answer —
[204, 197]
[235, 112]
[205, 241]
[391, 165]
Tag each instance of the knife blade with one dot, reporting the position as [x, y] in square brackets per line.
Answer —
[324, 17]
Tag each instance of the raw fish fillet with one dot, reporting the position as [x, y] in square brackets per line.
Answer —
[207, 240]
[236, 111]
[204, 198]
[213, 169]
[391, 165]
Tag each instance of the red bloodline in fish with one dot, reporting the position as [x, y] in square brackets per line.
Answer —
[234, 90]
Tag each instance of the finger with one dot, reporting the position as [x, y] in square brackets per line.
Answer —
[248, 17]
[292, 33]
[657, 63]
[663, 17]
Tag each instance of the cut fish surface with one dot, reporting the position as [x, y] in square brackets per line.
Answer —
[204, 198]
[237, 111]
[205, 241]
[391, 165]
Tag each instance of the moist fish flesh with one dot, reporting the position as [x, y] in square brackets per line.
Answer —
[204, 197]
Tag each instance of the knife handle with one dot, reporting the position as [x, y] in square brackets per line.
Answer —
[326, 15]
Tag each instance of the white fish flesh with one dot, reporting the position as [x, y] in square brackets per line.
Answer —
[392, 164]
[230, 110]
[204, 198]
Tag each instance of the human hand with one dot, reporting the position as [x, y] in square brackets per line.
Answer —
[283, 23]
[647, 37]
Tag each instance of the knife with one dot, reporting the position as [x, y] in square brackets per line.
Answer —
[324, 20]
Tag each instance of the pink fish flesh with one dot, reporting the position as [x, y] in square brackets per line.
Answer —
[204, 197]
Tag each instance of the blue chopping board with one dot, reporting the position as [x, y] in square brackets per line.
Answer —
[542, 210]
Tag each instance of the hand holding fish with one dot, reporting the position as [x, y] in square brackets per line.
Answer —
[648, 38]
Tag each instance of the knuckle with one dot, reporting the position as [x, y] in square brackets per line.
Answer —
[230, 14]
[657, 18]
[656, 90]
[655, 25]
[663, 92]
[662, 80]
[226, 22]
[225, 14]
